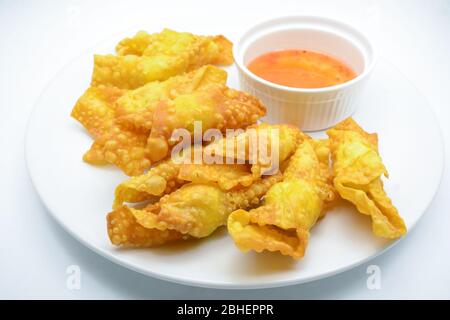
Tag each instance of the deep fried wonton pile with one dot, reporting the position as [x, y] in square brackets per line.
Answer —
[262, 212]
[157, 83]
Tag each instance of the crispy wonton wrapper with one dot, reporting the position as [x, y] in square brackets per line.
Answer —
[135, 108]
[120, 120]
[124, 230]
[95, 109]
[159, 180]
[147, 58]
[169, 175]
[194, 210]
[227, 176]
[215, 106]
[290, 209]
[357, 177]
[255, 145]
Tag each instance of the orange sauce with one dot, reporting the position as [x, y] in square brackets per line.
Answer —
[301, 69]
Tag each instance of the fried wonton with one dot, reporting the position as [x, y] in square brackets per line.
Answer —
[135, 108]
[259, 145]
[169, 175]
[147, 58]
[290, 208]
[124, 230]
[357, 170]
[227, 176]
[159, 180]
[215, 106]
[194, 210]
[126, 149]
[95, 109]
[120, 120]
[113, 143]
[215, 49]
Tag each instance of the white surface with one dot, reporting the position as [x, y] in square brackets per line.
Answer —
[55, 144]
[310, 109]
[39, 38]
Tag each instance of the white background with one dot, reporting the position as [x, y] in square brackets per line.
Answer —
[37, 38]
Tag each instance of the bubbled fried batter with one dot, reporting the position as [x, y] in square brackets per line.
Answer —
[290, 209]
[214, 49]
[124, 148]
[159, 180]
[135, 108]
[245, 146]
[193, 210]
[113, 143]
[95, 109]
[227, 176]
[158, 57]
[215, 106]
[358, 168]
[123, 230]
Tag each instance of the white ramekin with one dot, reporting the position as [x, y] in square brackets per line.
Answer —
[310, 109]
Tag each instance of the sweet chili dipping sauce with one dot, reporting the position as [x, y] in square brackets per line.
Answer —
[301, 69]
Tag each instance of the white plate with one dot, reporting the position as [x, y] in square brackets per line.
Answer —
[79, 195]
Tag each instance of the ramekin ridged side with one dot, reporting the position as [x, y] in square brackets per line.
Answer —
[310, 111]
